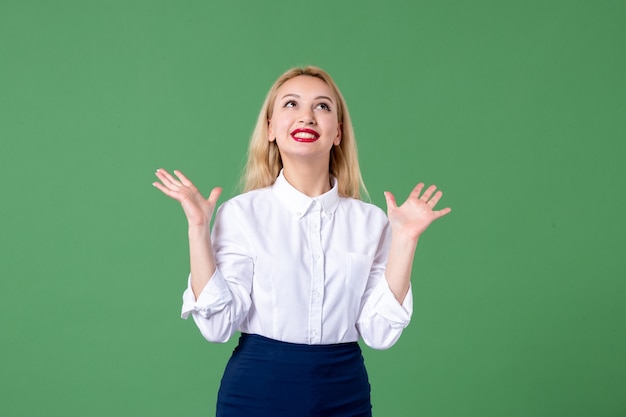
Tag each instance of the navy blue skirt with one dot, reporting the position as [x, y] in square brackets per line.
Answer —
[269, 378]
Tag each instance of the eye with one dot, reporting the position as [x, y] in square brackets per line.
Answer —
[323, 106]
[289, 104]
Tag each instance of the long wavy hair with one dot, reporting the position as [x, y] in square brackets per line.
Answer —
[264, 161]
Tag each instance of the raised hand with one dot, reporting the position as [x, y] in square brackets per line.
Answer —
[197, 209]
[414, 216]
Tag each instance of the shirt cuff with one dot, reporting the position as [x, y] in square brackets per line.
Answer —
[215, 296]
[386, 305]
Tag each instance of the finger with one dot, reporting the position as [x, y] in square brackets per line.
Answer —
[417, 191]
[167, 178]
[183, 179]
[428, 193]
[435, 199]
[442, 212]
[391, 201]
[167, 191]
[164, 176]
[214, 196]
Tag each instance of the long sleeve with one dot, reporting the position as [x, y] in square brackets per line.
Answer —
[382, 318]
[225, 301]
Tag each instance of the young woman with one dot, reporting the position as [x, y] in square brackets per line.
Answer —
[298, 263]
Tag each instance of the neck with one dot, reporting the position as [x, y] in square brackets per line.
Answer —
[309, 179]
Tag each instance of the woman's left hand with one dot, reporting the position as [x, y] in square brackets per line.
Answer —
[417, 212]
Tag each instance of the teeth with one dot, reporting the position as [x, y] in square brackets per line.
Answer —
[305, 135]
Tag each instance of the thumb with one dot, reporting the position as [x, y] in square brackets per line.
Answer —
[214, 196]
[391, 201]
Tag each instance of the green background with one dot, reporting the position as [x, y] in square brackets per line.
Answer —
[516, 109]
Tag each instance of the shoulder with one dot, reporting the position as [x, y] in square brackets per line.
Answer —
[246, 199]
[362, 211]
[362, 206]
[247, 205]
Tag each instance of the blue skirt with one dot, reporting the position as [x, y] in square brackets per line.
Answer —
[269, 378]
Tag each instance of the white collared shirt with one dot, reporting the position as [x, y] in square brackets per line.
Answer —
[301, 270]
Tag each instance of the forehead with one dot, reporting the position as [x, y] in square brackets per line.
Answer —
[306, 86]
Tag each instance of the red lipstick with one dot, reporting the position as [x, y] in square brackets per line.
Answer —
[305, 135]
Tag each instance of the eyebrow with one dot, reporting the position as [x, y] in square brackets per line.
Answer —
[316, 98]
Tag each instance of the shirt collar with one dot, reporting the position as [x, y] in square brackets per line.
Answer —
[299, 203]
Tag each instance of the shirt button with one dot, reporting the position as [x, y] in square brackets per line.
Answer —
[317, 257]
[313, 332]
[298, 213]
[316, 294]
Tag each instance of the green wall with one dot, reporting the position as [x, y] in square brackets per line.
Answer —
[516, 109]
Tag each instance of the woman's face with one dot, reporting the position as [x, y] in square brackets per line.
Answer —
[304, 121]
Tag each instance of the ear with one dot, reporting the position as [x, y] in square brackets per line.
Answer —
[337, 140]
[270, 132]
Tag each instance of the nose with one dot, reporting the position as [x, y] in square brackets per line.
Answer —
[307, 117]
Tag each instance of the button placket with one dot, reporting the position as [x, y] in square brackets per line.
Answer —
[317, 278]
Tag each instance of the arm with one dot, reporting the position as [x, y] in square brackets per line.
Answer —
[382, 318]
[218, 294]
[408, 222]
[198, 211]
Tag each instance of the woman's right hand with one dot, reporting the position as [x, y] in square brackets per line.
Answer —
[197, 209]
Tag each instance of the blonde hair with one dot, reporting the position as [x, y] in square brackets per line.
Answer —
[264, 162]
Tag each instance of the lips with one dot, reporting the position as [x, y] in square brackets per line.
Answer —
[305, 135]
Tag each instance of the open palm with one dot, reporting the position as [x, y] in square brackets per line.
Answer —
[414, 216]
[197, 209]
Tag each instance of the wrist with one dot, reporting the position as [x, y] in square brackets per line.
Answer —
[199, 230]
[404, 239]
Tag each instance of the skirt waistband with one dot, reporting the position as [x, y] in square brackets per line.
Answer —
[247, 339]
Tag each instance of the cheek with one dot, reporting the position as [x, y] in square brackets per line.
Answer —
[282, 125]
[332, 125]
[277, 128]
[275, 125]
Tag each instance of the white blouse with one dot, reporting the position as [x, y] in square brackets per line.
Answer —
[301, 270]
